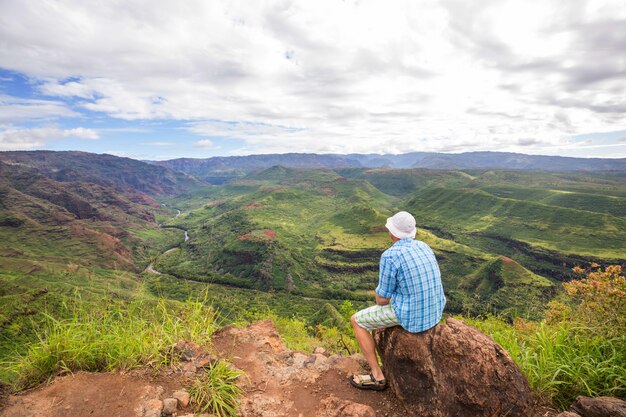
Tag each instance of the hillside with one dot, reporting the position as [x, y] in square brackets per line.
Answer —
[122, 174]
[71, 237]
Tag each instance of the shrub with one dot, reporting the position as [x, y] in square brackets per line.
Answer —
[596, 303]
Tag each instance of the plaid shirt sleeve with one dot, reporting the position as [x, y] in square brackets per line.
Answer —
[387, 280]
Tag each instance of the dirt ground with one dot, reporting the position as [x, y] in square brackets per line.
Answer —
[86, 394]
[300, 391]
[278, 383]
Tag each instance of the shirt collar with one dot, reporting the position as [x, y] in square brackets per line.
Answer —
[403, 242]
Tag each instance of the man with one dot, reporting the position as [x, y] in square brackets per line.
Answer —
[409, 294]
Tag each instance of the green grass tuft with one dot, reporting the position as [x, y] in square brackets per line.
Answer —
[216, 391]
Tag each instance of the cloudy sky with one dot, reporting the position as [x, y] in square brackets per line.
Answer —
[197, 78]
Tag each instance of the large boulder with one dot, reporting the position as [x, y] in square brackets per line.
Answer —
[452, 369]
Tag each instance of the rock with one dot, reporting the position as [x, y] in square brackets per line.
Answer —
[263, 405]
[320, 350]
[599, 407]
[567, 414]
[358, 410]
[299, 360]
[187, 351]
[285, 357]
[317, 361]
[452, 369]
[348, 365]
[360, 360]
[205, 361]
[190, 368]
[182, 397]
[153, 408]
[169, 406]
[283, 374]
[334, 407]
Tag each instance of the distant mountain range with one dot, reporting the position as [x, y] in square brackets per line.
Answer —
[218, 169]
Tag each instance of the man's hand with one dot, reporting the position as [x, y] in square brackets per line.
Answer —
[381, 301]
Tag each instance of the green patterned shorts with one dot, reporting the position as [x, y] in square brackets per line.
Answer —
[376, 317]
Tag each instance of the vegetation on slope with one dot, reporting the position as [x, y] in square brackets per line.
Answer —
[566, 230]
[111, 337]
[580, 348]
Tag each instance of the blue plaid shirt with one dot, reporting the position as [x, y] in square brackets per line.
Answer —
[410, 276]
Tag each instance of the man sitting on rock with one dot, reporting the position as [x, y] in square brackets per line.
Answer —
[409, 294]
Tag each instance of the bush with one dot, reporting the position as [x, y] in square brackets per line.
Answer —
[596, 303]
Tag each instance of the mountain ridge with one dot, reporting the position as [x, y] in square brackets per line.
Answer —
[221, 169]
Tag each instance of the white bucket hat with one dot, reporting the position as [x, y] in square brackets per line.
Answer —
[401, 225]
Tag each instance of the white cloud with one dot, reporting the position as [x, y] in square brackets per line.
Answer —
[12, 138]
[328, 76]
[204, 144]
[16, 109]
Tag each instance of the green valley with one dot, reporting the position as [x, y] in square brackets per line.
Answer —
[298, 245]
[319, 233]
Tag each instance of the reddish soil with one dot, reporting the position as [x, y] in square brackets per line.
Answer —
[88, 394]
[507, 259]
[267, 234]
[273, 390]
[270, 233]
[253, 205]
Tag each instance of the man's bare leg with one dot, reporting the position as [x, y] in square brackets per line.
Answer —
[368, 348]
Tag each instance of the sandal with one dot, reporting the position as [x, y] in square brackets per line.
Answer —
[368, 382]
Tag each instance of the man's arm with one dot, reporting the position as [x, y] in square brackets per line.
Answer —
[382, 301]
[386, 281]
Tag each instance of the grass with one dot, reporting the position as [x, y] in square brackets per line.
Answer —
[114, 336]
[297, 335]
[216, 390]
[560, 361]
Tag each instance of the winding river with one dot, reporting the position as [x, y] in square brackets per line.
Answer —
[150, 268]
